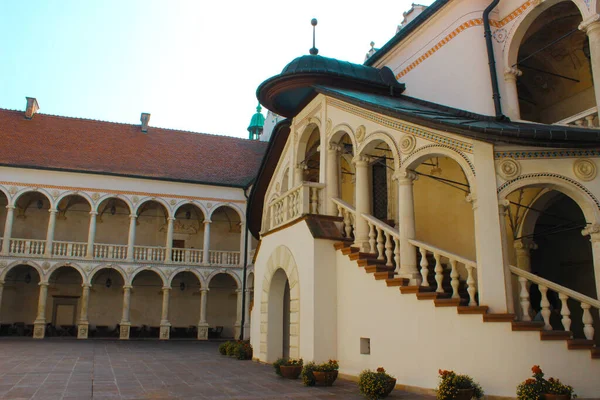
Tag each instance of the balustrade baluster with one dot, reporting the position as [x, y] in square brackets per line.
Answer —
[372, 247]
[347, 224]
[439, 273]
[524, 297]
[588, 328]
[388, 250]
[424, 265]
[397, 254]
[590, 121]
[454, 282]
[314, 201]
[471, 285]
[545, 307]
[380, 246]
[565, 312]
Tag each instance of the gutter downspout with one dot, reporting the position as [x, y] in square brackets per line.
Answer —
[244, 283]
[492, 60]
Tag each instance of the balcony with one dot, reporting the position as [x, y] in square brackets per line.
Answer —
[584, 119]
[306, 198]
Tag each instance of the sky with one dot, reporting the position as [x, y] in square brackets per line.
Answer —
[193, 64]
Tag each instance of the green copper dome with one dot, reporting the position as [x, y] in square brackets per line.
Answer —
[256, 124]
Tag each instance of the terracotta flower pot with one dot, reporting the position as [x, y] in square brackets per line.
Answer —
[557, 397]
[391, 384]
[290, 371]
[465, 394]
[325, 378]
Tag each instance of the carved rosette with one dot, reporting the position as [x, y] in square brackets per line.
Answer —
[408, 144]
[135, 199]
[361, 132]
[584, 169]
[96, 196]
[509, 168]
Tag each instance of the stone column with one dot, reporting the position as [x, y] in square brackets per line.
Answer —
[50, 233]
[131, 240]
[523, 249]
[511, 106]
[332, 178]
[39, 330]
[299, 175]
[247, 313]
[202, 324]
[363, 203]
[593, 231]
[205, 253]
[165, 325]
[10, 217]
[125, 323]
[407, 226]
[82, 329]
[242, 243]
[169, 244]
[91, 236]
[1, 292]
[591, 26]
[238, 316]
[512, 296]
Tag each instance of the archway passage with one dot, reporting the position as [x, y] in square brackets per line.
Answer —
[30, 225]
[18, 309]
[188, 234]
[311, 161]
[146, 304]
[3, 212]
[184, 314]
[112, 229]
[222, 305]
[72, 226]
[225, 237]
[63, 305]
[554, 58]
[279, 316]
[346, 171]
[106, 303]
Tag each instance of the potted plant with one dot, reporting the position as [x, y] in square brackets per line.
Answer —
[320, 374]
[376, 385]
[288, 368]
[242, 350]
[454, 386]
[538, 388]
[556, 390]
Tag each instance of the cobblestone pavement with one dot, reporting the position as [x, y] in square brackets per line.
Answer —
[71, 369]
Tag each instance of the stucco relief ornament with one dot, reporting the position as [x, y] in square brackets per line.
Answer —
[87, 268]
[509, 168]
[13, 190]
[55, 193]
[46, 265]
[360, 133]
[407, 144]
[96, 196]
[500, 35]
[3, 264]
[209, 205]
[585, 169]
[130, 270]
[135, 199]
[173, 202]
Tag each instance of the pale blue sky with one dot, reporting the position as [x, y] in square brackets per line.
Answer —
[193, 65]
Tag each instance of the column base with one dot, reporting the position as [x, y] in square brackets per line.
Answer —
[124, 330]
[237, 330]
[247, 331]
[39, 330]
[82, 330]
[165, 331]
[414, 277]
[203, 331]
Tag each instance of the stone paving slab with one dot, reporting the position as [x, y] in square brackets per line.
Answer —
[55, 369]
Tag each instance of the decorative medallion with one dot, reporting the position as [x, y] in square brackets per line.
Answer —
[407, 144]
[584, 169]
[95, 196]
[46, 265]
[130, 270]
[13, 190]
[500, 35]
[55, 193]
[3, 264]
[360, 133]
[509, 168]
[135, 199]
[173, 202]
[206, 274]
[209, 205]
[87, 268]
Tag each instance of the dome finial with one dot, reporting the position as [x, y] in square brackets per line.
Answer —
[314, 51]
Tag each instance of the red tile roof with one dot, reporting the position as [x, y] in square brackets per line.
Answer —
[83, 145]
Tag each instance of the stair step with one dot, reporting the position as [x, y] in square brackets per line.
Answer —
[378, 268]
[448, 302]
[397, 281]
[349, 250]
[359, 255]
[379, 276]
[527, 326]
[415, 289]
[341, 245]
[596, 353]
[498, 317]
[432, 295]
[555, 335]
[580, 344]
[472, 309]
[369, 261]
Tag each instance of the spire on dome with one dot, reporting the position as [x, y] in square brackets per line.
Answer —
[255, 129]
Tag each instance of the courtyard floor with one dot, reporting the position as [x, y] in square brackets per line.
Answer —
[71, 369]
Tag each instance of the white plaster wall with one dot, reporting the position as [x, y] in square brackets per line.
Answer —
[222, 304]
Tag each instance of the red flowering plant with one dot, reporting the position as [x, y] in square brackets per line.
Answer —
[536, 387]
[451, 382]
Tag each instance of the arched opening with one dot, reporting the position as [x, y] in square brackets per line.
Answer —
[346, 170]
[19, 301]
[146, 304]
[310, 156]
[112, 229]
[105, 303]
[30, 225]
[222, 304]
[184, 312]
[63, 305]
[151, 231]
[278, 344]
[3, 204]
[554, 58]
[285, 181]
[249, 302]
[225, 236]
[188, 234]
[544, 236]
[382, 188]
[72, 226]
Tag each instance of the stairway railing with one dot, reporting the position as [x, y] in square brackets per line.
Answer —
[526, 278]
[306, 198]
[383, 240]
[348, 213]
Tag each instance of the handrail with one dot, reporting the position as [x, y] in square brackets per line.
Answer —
[344, 205]
[554, 286]
[578, 116]
[382, 225]
[443, 253]
[281, 196]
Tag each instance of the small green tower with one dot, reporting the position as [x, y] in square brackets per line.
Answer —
[256, 124]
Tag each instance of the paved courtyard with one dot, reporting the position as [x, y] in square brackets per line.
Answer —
[70, 369]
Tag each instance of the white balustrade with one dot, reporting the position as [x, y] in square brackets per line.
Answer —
[584, 119]
[69, 249]
[348, 214]
[110, 251]
[564, 294]
[382, 239]
[186, 256]
[29, 247]
[149, 253]
[217, 257]
[306, 198]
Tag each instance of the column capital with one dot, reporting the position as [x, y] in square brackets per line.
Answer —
[405, 177]
[590, 24]
[86, 285]
[171, 219]
[52, 210]
[503, 205]
[10, 207]
[129, 287]
[93, 213]
[593, 231]
[238, 290]
[204, 290]
[1, 283]
[471, 198]
[133, 216]
[207, 221]
[44, 284]
[249, 290]
[525, 244]
[512, 73]
[334, 147]
[166, 288]
[361, 160]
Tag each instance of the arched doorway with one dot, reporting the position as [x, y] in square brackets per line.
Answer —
[222, 304]
[279, 316]
[18, 309]
[106, 303]
[72, 227]
[150, 231]
[146, 304]
[554, 59]
[184, 314]
[112, 229]
[63, 305]
[382, 188]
